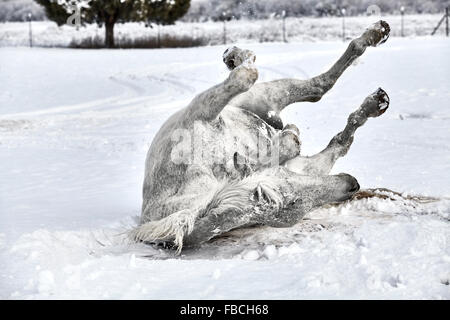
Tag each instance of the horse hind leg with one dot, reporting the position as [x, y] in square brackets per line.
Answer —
[207, 105]
[268, 99]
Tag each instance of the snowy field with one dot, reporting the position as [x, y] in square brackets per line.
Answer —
[304, 29]
[75, 126]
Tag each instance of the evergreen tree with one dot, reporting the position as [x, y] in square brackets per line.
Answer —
[110, 12]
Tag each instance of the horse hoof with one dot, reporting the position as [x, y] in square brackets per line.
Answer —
[379, 33]
[233, 57]
[381, 103]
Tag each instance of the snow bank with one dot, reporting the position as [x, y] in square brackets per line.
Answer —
[357, 250]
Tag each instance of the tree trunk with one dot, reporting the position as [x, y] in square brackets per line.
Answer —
[159, 37]
[109, 34]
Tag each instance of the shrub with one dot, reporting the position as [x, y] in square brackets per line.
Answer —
[148, 42]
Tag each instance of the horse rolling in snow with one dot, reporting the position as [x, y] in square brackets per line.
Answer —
[227, 161]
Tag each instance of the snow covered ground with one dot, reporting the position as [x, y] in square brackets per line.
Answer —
[305, 29]
[75, 126]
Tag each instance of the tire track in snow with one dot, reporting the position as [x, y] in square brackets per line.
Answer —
[134, 98]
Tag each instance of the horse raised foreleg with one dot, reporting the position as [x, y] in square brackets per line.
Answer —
[322, 163]
[268, 99]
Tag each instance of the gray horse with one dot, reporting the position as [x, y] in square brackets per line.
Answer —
[227, 161]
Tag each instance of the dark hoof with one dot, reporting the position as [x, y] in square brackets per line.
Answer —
[233, 57]
[381, 31]
[382, 99]
[376, 104]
